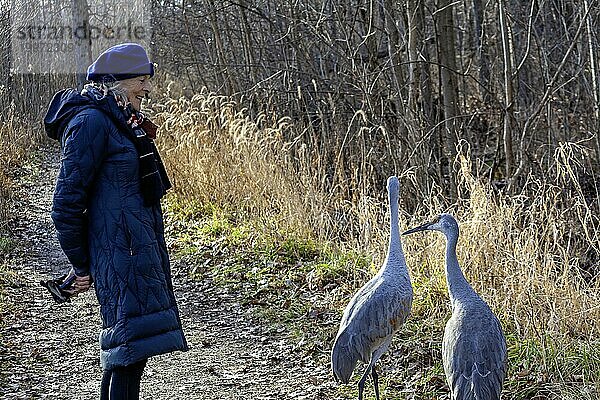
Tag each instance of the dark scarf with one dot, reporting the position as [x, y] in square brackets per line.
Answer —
[154, 181]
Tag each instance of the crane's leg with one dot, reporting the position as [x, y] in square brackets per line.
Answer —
[374, 358]
[375, 382]
[363, 379]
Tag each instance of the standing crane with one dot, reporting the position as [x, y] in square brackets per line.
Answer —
[474, 347]
[376, 311]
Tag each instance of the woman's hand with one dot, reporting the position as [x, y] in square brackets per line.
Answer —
[80, 284]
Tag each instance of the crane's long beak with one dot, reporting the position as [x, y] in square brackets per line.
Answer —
[419, 228]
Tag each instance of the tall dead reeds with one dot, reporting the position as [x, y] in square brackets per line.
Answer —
[523, 253]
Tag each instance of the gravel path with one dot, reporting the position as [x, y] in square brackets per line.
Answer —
[51, 351]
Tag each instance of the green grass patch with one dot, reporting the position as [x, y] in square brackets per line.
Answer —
[6, 245]
[553, 365]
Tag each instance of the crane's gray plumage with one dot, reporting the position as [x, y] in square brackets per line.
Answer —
[474, 347]
[376, 311]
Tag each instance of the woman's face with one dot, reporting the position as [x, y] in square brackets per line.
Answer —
[137, 89]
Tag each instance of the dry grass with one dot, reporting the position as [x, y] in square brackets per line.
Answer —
[17, 139]
[219, 156]
[525, 254]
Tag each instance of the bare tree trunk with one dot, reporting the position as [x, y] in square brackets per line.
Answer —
[247, 42]
[594, 74]
[370, 37]
[333, 32]
[482, 56]
[82, 46]
[393, 40]
[424, 58]
[191, 48]
[393, 44]
[507, 51]
[419, 93]
[222, 67]
[413, 55]
[447, 58]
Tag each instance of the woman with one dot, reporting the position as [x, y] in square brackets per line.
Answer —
[107, 214]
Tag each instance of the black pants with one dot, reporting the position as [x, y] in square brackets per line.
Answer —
[122, 383]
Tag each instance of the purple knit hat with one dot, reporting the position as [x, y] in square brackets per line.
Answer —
[123, 61]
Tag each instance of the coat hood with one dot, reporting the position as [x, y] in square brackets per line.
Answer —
[69, 102]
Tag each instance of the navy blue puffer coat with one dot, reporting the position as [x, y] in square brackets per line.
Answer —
[106, 231]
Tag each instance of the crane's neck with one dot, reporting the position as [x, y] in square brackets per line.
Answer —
[394, 228]
[458, 287]
[395, 246]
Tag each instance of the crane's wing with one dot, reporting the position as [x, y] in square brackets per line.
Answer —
[380, 304]
[379, 308]
[474, 353]
[375, 312]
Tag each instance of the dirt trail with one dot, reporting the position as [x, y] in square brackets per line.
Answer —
[51, 351]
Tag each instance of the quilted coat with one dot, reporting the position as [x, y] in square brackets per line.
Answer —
[106, 231]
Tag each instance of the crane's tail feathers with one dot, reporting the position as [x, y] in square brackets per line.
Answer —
[343, 361]
[476, 388]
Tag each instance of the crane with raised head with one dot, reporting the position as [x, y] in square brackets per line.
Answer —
[474, 347]
[376, 311]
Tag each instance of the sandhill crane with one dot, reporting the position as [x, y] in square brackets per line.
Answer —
[474, 347]
[376, 311]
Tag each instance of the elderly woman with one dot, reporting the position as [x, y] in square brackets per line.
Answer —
[107, 214]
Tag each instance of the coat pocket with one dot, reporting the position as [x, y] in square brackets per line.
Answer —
[124, 239]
